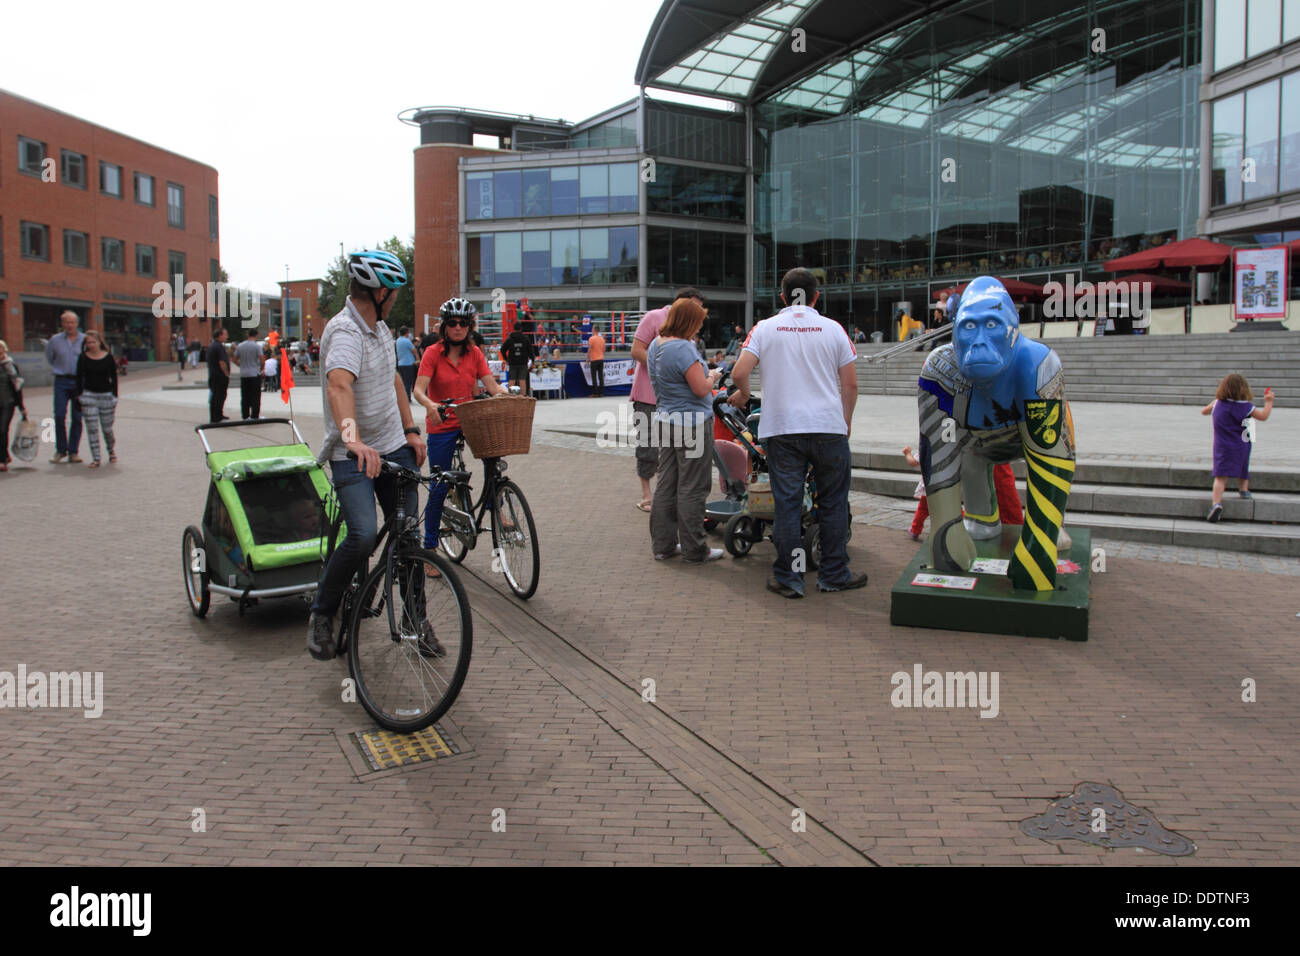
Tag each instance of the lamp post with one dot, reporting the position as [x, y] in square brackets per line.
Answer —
[284, 304]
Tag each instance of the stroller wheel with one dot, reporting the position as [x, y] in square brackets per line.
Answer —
[710, 524]
[738, 536]
[812, 545]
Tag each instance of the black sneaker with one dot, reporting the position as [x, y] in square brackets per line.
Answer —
[320, 637]
[1215, 514]
[857, 581]
[428, 645]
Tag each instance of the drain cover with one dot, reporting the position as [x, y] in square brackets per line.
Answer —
[383, 749]
[1097, 813]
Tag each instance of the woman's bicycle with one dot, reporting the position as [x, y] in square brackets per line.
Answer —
[407, 631]
[514, 536]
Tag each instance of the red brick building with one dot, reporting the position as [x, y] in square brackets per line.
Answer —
[303, 299]
[90, 220]
[437, 232]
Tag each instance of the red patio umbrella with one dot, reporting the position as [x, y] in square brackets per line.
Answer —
[1015, 288]
[1158, 283]
[1195, 253]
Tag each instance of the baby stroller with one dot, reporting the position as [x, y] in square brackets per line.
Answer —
[748, 509]
[263, 528]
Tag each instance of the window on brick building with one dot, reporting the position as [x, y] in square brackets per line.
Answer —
[74, 168]
[144, 189]
[213, 234]
[145, 258]
[175, 265]
[176, 205]
[110, 179]
[31, 154]
[76, 248]
[36, 241]
[112, 254]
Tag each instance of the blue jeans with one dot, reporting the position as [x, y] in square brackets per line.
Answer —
[441, 447]
[357, 494]
[788, 458]
[66, 442]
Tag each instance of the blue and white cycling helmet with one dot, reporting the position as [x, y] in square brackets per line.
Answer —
[375, 269]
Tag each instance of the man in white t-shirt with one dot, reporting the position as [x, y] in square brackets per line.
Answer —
[810, 387]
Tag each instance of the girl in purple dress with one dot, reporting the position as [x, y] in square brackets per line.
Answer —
[1233, 408]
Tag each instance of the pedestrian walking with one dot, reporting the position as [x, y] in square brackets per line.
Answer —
[406, 360]
[1234, 416]
[684, 423]
[97, 395]
[62, 353]
[518, 352]
[810, 388]
[178, 349]
[248, 356]
[218, 376]
[643, 393]
[596, 358]
[11, 397]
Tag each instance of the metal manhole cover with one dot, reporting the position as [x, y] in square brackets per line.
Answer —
[383, 749]
[1097, 813]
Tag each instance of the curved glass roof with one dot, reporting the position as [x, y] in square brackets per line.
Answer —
[744, 51]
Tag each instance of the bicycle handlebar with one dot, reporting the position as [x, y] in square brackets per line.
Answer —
[387, 467]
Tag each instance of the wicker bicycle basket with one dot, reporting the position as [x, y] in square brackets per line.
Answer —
[496, 427]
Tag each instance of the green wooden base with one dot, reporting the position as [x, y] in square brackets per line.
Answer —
[994, 606]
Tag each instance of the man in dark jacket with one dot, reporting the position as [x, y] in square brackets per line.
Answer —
[518, 351]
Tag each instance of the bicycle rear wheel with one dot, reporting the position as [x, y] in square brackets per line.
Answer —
[514, 539]
[401, 681]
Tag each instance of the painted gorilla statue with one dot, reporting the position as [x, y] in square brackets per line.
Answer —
[990, 397]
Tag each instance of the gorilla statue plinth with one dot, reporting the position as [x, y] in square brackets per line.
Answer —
[1005, 395]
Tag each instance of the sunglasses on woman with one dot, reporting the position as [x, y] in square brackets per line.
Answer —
[458, 323]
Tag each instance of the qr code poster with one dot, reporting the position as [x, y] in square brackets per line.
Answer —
[1260, 283]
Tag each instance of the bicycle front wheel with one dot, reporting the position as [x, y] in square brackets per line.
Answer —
[514, 540]
[408, 679]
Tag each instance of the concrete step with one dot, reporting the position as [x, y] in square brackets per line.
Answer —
[1191, 533]
[1188, 503]
[1151, 473]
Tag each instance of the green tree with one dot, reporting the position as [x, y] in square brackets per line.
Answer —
[334, 287]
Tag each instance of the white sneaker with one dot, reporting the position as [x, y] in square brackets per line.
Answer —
[715, 554]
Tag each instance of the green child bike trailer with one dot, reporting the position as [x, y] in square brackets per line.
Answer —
[264, 531]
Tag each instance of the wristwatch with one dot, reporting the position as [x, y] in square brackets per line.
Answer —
[411, 430]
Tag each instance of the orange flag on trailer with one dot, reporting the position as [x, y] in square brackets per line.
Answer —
[286, 376]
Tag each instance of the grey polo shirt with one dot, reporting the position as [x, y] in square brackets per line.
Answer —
[63, 354]
[367, 353]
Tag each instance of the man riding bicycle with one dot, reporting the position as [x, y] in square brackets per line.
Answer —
[449, 371]
[366, 414]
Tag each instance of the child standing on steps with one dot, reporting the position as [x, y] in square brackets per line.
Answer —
[1234, 432]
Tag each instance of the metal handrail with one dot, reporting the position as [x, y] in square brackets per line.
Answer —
[911, 344]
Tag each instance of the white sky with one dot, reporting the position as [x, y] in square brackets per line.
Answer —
[296, 103]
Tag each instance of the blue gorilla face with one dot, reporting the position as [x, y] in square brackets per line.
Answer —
[985, 331]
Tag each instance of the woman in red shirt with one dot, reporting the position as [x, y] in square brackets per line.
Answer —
[450, 371]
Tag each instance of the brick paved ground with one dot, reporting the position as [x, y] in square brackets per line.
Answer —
[762, 705]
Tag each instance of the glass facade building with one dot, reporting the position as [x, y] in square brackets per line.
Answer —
[994, 136]
[907, 148]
